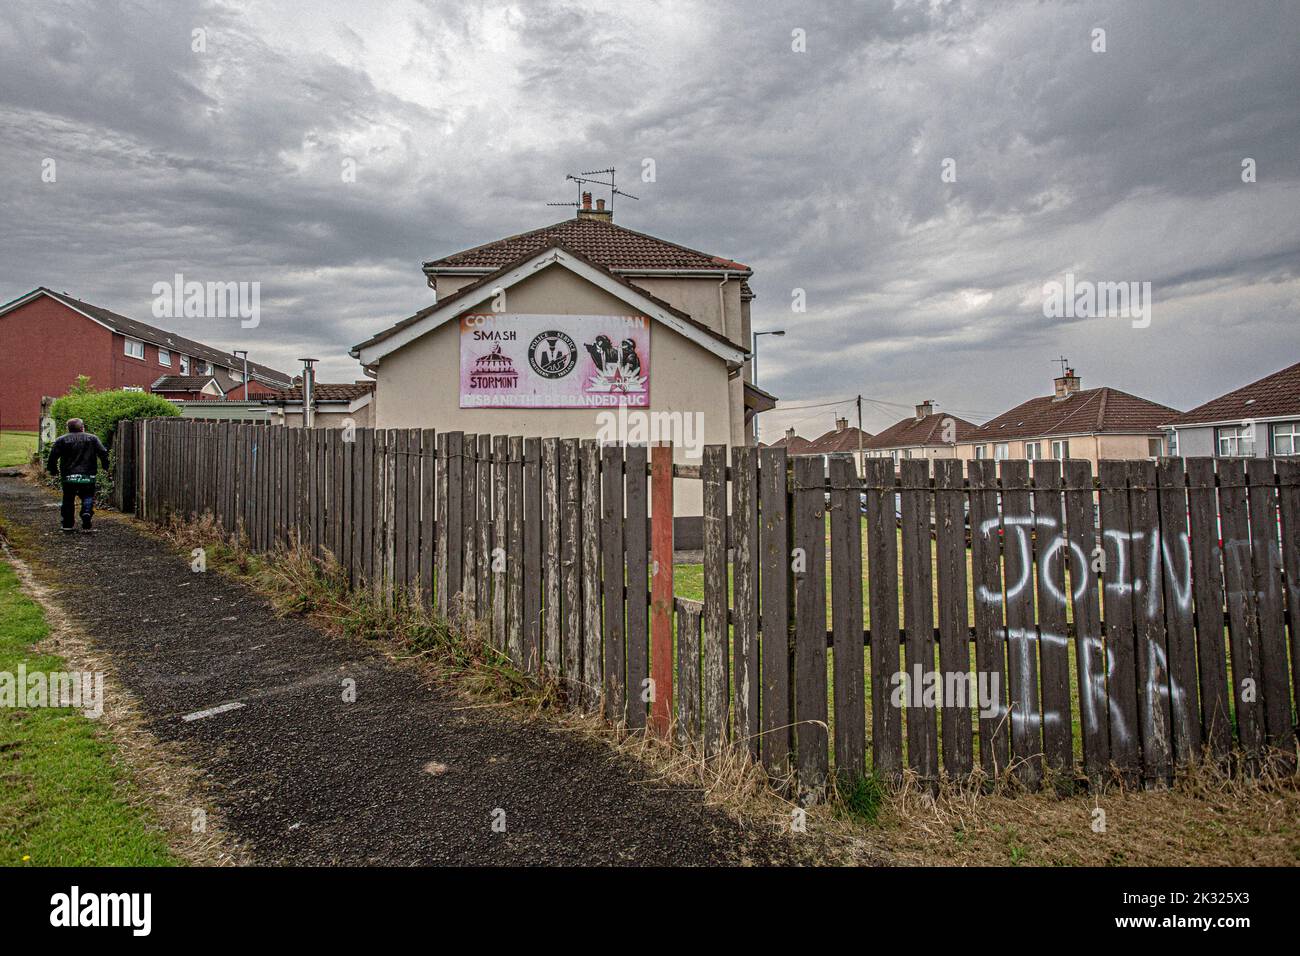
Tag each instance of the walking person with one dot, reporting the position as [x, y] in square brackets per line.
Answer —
[75, 458]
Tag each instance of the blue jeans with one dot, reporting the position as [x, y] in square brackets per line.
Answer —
[76, 489]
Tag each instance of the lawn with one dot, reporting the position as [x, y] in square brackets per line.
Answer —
[63, 800]
[16, 448]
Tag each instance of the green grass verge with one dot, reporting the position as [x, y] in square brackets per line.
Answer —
[16, 448]
[63, 802]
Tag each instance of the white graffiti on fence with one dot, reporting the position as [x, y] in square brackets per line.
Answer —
[1096, 667]
[1178, 567]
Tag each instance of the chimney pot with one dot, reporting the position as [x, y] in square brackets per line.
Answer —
[600, 205]
[586, 200]
[1066, 385]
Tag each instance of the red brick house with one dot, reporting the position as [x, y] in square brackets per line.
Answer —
[49, 338]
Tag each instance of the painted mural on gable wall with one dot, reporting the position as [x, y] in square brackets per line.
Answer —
[525, 360]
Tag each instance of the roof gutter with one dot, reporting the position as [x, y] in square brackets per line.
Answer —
[665, 273]
[1236, 421]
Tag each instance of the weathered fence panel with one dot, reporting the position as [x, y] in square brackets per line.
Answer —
[637, 544]
[810, 709]
[1164, 577]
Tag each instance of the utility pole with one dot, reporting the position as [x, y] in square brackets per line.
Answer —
[862, 462]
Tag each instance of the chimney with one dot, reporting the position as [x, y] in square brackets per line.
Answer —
[924, 410]
[600, 212]
[308, 392]
[841, 424]
[789, 434]
[1066, 385]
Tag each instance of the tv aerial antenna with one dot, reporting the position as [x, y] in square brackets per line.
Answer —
[581, 180]
[1064, 363]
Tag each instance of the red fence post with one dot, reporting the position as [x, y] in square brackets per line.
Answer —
[661, 587]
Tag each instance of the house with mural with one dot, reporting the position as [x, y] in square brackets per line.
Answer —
[559, 331]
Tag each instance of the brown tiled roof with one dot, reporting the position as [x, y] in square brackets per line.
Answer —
[1272, 395]
[182, 383]
[913, 432]
[326, 392]
[601, 242]
[796, 445]
[1088, 411]
[837, 441]
[486, 282]
[169, 340]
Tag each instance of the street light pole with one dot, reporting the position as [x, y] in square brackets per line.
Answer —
[753, 366]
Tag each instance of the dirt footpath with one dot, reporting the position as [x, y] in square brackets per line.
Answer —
[409, 773]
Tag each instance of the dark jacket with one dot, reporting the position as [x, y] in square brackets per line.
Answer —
[77, 453]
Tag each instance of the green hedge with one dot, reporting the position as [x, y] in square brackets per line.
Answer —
[101, 411]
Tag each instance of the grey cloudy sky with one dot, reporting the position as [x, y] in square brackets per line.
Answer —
[819, 169]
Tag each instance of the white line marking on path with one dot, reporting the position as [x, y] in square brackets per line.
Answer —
[212, 711]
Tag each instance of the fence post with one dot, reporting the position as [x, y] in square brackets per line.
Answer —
[661, 586]
[744, 516]
[810, 708]
[637, 548]
[570, 572]
[592, 662]
[774, 614]
[715, 687]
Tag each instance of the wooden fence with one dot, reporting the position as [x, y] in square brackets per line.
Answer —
[948, 618]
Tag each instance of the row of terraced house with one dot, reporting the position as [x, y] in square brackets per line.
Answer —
[1259, 419]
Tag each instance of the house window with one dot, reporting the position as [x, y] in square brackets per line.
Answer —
[1155, 447]
[207, 368]
[164, 357]
[1171, 441]
[1033, 450]
[1001, 451]
[1061, 449]
[981, 452]
[1286, 438]
[134, 348]
[185, 365]
[1236, 441]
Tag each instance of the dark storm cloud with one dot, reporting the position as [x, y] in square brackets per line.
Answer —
[819, 169]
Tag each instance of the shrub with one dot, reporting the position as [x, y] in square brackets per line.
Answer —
[101, 411]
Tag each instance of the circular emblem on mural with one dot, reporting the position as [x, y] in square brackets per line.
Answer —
[552, 354]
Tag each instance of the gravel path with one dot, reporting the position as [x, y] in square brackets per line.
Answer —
[410, 773]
